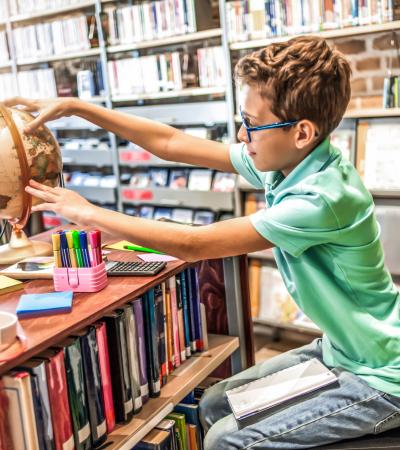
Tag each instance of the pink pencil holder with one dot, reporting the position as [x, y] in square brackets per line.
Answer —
[82, 279]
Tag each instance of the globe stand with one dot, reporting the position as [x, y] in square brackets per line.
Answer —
[20, 247]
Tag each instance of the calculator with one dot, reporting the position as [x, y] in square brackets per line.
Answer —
[141, 268]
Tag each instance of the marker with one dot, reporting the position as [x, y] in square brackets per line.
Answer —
[77, 248]
[64, 250]
[138, 248]
[84, 248]
[71, 250]
[56, 249]
[95, 243]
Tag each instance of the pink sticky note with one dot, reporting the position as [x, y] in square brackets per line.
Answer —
[153, 257]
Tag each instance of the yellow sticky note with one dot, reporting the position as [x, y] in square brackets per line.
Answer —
[119, 245]
[9, 284]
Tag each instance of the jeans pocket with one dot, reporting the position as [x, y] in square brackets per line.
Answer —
[391, 421]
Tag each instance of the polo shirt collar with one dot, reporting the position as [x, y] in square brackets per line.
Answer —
[312, 163]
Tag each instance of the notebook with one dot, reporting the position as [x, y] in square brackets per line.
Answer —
[279, 387]
[9, 284]
[31, 305]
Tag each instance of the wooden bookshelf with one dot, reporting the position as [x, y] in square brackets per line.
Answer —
[180, 383]
[259, 324]
[327, 34]
[72, 55]
[52, 12]
[171, 40]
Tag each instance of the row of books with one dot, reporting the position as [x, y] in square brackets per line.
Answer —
[8, 86]
[72, 395]
[89, 179]
[18, 7]
[156, 20]
[269, 297]
[55, 37]
[167, 71]
[183, 215]
[192, 179]
[391, 91]
[265, 18]
[180, 430]
[37, 83]
[4, 53]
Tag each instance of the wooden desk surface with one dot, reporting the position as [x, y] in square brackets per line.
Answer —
[42, 332]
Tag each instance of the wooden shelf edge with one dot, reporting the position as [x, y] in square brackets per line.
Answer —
[180, 383]
[327, 34]
[189, 92]
[72, 55]
[286, 326]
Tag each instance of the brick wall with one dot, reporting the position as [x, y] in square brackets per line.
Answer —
[370, 56]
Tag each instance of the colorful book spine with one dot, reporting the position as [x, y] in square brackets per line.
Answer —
[160, 321]
[186, 313]
[195, 301]
[140, 338]
[175, 321]
[181, 326]
[169, 335]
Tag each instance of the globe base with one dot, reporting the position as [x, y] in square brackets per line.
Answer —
[20, 247]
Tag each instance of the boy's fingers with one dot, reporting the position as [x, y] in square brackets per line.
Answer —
[43, 207]
[13, 101]
[40, 186]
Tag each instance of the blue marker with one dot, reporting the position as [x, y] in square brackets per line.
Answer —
[84, 248]
[66, 262]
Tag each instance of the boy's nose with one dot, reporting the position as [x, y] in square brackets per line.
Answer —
[242, 135]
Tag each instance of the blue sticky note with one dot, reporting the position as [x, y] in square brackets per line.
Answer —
[31, 305]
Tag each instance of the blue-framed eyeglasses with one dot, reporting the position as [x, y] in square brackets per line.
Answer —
[250, 129]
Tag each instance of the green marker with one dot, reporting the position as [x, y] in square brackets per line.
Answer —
[138, 248]
[77, 247]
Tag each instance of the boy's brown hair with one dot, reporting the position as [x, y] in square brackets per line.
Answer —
[304, 79]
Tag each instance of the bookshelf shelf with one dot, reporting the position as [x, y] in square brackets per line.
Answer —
[183, 197]
[180, 383]
[52, 12]
[260, 324]
[5, 65]
[96, 194]
[72, 55]
[373, 112]
[181, 38]
[378, 193]
[327, 34]
[189, 92]
[90, 157]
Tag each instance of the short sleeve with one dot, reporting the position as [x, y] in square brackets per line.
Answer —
[297, 223]
[244, 166]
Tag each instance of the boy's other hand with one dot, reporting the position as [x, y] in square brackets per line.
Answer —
[48, 109]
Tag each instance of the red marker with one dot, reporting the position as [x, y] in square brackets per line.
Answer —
[95, 242]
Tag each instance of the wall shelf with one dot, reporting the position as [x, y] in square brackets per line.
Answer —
[96, 194]
[89, 157]
[327, 34]
[46, 59]
[178, 39]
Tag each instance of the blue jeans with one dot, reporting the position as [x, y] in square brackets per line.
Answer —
[348, 409]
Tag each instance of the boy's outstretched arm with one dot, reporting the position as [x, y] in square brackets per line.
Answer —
[162, 140]
[226, 238]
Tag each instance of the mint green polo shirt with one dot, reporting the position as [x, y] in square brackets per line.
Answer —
[321, 221]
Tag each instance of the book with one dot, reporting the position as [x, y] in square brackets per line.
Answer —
[77, 393]
[168, 326]
[156, 439]
[141, 345]
[93, 385]
[200, 180]
[9, 285]
[121, 383]
[130, 331]
[180, 427]
[203, 217]
[21, 417]
[31, 268]
[105, 373]
[140, 180]
[169, 426]
[33, 305]
[41, 403]
[160, 321]
[181, 284]
[5, 430]
[178, 178]
[175, 321]
[194, 299]
[159, 177]
[162, 213]
[285, 385]
[191, 412]
[181, 326]
[182, 215]
[224, 182]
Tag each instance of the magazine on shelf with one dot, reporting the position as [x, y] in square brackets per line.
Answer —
[203, 217]
[200, 179]
[162, 212]
[224, 182]
[140, 180]
[159, 177]
[182, 215]
[146, 212]
[178, 178]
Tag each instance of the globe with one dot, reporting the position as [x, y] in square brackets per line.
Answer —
[23, 156]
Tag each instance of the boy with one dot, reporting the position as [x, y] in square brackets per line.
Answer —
[320, 221]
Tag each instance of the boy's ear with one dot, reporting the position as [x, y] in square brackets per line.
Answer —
[306, 133]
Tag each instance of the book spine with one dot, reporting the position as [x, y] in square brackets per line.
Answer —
[186, 314]
[181, 325]
[105, 372]
[175, 326]
[141, 340]
[160, 321]
[169, 336]
[195, 299]
[191, 312]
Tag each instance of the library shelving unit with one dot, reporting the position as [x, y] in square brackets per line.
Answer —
[42, 333]
[353, 120]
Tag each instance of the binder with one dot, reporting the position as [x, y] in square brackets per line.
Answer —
[77, 393]
[21, 416]
[150, 329]
[105, 373]
[130, 332]
[140, 339]
[121, 385]
[94, 392]
[58, 397]
[41, 403]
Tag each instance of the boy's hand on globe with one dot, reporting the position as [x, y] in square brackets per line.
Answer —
[48, 109]
[63, 202]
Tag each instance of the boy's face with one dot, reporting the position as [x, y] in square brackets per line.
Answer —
[273, 149]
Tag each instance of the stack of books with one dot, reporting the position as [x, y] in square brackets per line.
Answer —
[4, 53]
[156, 20]
[37, 83]
[267, 18]
[55, 37]
[36, 6]
[73, 394]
